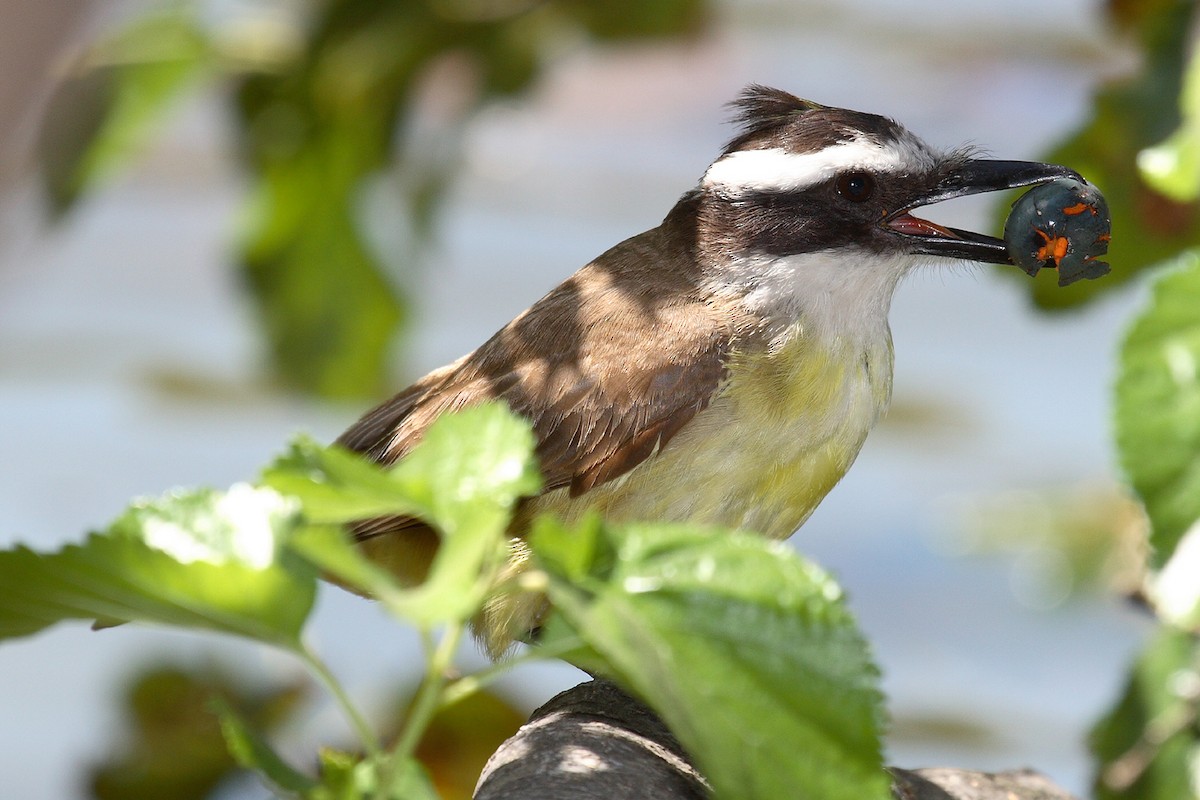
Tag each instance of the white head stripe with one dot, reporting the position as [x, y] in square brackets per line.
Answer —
[778, 170]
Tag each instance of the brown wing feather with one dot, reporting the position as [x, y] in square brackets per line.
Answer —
[591, 425]
[608, 367]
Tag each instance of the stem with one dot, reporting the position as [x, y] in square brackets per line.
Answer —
[429, 698]
[429, 695]
[369, 740]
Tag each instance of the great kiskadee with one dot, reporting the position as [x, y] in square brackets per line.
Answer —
[721, 368]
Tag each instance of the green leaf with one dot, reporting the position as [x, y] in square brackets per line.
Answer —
[1147, 746]
[472, 467]
[472, 462]
[102, 114]
[316, 133]
[1173, 166]
[330, 549]
[470, 470]
[329, 311]
[337, 486]
[338, 777]
[201, 559]
[409, 781]
[1174, 591]
[344, 777]
[572, 553]
[1158, 406]
[250, 750]
[744, 649]
[464, 478]
[318, 130]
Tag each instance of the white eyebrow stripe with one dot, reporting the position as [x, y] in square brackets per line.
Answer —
[777, 170]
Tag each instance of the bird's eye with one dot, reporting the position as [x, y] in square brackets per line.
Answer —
[855, 186]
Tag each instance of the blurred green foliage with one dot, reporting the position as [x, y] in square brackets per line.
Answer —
[1173, 166]
[174, 747]
[326, 95]
[103, 115]
[1142, 150]
[1158, 406]
[1062, 541]
[1149, 743]
[1148, 746]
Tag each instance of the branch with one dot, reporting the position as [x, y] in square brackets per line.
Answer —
[594, 742]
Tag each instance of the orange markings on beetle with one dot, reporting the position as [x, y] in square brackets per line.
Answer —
[1053, 248]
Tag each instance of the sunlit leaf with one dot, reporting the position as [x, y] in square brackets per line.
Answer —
[105, 110]
[335, 485]
[1146, 746]
[470, 470]
[745, 650]
[464, 478]
[1158, 406]
[472, 465]
[200, 559]
[480, 455]
[1174, 590]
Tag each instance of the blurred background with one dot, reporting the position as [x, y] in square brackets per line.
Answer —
[197, 261]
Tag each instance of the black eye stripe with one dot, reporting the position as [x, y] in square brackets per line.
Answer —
[856, 186]
[788, 223]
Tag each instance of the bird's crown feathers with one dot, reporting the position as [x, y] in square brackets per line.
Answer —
[767, 117]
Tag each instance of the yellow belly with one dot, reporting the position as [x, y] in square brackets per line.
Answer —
[784, 429]
[782, 432]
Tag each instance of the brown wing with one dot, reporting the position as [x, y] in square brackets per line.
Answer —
[598, 408]
[608, 367]
[590, 429]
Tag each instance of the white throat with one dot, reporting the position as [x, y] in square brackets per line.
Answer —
[835, 297]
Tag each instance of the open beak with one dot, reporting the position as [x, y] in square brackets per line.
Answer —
[972, 177]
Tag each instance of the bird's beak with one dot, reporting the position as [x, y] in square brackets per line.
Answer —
[971, 177]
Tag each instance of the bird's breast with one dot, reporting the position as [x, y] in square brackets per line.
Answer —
[783, 428]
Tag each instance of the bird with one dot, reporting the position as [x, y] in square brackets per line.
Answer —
[722, 368]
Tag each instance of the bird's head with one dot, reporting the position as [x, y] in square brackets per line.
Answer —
[810, 204]
[801, 178]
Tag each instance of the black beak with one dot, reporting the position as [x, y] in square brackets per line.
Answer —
[970, 177]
